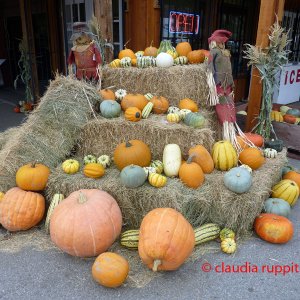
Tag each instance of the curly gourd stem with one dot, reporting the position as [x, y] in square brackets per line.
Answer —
[156, 263]
[82, 198]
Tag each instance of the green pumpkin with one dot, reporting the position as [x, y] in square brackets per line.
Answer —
[277, 206]
[110, 109]
[293, 112]
[238, 180]
[133, 176]
[195, 120]
[274, 144]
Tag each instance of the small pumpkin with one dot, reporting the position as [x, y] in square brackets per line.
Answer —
[104, 160]
[226, 233]
[70, 166]
[133, 114]
[188, 103]
[270, 153]
[94, 170]
[133, 152]
[88, 159]
[160, 104]
[183, 48]
[126, 53]
[256, 139]
[107, 94]
[203, 158]
[150, 51]
[110, 109]
[161, 245]
[173, 110]
[57, 198]
[292, 175]
[283, 109]
[32, 177]
[120, 94]
[252, 157]
[133, 176]
[277, 206]
[149, 170]
[195, 120]
[228, 246]
[238, 180]
[196, 57]
[158, 165]
[171, 160]
[289, 119]
[180, 60]
[110, 269]
[224, 155]
[273, 228]
[293, 112]
[184, 112]
[287, 190]
[134, 100]
[164, 60]
[274, 144]
[157, 180]
[173, 118]
[21, 210]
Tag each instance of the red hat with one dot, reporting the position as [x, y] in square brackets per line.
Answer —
[220, 36]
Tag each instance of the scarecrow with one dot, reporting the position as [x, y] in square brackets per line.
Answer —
[85, 53]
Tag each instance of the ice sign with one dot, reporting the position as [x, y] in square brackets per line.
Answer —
[180, 22]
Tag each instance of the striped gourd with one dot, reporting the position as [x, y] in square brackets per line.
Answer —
[157, 180]
[149, 170]
[227, 233]
[57, 198]
[158, 165]
[143, 62]
[149, 96]
[139, 54]
[173, 118]
[152, 62]
[130, 239]
[147, 110]
[115, 63]
[125, 62]
[181, 60]
[206, 232]
[172, 52]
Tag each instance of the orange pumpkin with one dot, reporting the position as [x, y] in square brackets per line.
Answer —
[134, 100]
[133, 114]
[126, 53]
[273, 228]
[252, 157]
[134, 152]
[206, 53]
[32, 177]
[107, 94]
[86, 223]
[133, 62]
[203, 158]
[21, 210]
[191, 174]
[188, 103]
[183, 48]
[160, 105]
[256, 139]
[293, 175]
[110, 269]
[166, 239]
[289, 119]
[94, 170]
[196, 57]
[150, 51]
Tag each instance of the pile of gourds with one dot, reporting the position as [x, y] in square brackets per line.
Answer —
[164, 56]
[286, 114]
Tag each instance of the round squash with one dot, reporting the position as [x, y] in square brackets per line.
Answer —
[293, 175]
[107, 94]
[94, 170]
[164, 60]
[134, 100]
[21, 210]
[160, 104]
[157, 180]
[228, 246]
[196, 57]
[134, 152]
[252, 157]
[171, 160]
[126, 53]
[270, 153]
[110, 269]
[293, 112]
[287, 190]
[273, 228]
[150, 51]
[203, 158]
[104, 160]
[133, 114]
[183, 48]
[274, 144]
[133, 176]
[195, 120]
[283, 109]
[224, 156]
[86, 223]
[166, 239]
[226, 233]
[32, 177]
[88, 159]
[70, 166]
[110, 109]
[173, 110]
[173, 118]
[238, 180]
[158, 165]
[188, 103]
[277, 206]
[289, 119]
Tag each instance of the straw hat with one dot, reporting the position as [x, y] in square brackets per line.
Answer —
[80, 28]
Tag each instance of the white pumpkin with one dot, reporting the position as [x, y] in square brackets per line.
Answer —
[270, 153]
[183, 112]
[171, 160]
[120, 94]
[104, 160]
[173, 110]
[283, 109]
[164, 60]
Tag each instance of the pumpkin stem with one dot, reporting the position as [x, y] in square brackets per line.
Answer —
[128, 145]
[190, 159]
[156, 263]
[33, 164]
[151, 43]
[82, 198]
[126, 44]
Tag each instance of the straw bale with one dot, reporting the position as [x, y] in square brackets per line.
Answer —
[101, 136]
[5, 135]
[174, 83]
[51, 130]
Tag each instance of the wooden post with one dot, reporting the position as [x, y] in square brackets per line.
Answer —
[267, 16]
[28, 36]
[103, 13]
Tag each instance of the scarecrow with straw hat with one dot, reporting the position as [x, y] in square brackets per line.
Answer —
[85, 53]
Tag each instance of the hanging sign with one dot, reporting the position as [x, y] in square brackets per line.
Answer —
[180, 22]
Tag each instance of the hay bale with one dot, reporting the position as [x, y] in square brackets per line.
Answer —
[174, 83]
[51, 130]
[6, 135]
[210, 203]
[101, 136]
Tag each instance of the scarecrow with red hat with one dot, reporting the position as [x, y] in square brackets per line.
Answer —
[85, 53]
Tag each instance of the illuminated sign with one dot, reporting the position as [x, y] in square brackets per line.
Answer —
[180, 22]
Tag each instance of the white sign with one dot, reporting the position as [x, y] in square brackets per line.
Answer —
[289, 86]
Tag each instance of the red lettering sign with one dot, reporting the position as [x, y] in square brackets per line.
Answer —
[298, 76]
[183, 23]
[292, 77]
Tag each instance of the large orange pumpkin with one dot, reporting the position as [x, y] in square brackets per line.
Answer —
[183, 48]
[273, 228]
[166, 239]
[86, 223]
[126, 53]
[293, 175]
[188, 103]
[203, 158]
[107, 94]
[160, 104]
[134, 100]
[196, 57]
[110, 269]
[252, 157]
[134, 152]
[32, 177]
[191, 174]
[21, 210]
